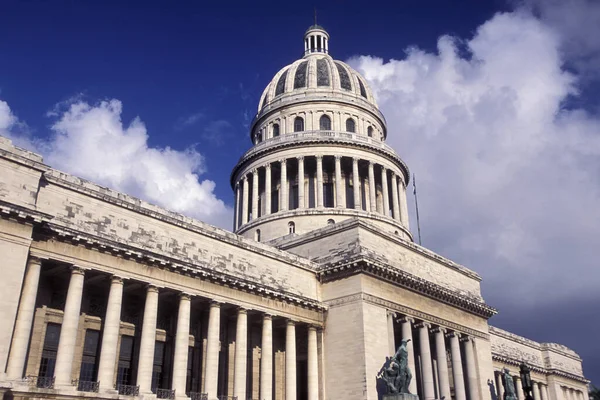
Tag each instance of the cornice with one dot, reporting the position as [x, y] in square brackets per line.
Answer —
[200, 270]
[535, 345]
[407, 312]
[362, 264]
[22, 214]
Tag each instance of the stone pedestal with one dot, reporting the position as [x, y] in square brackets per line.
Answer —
[400, 396]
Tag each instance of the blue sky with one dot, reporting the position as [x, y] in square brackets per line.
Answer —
[493, 104]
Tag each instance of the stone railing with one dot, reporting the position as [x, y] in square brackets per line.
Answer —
[319, 135]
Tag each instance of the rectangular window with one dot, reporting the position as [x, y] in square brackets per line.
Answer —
[124, 370]
[90, 356]
[49, 350]
[328, 194]
[157, 369]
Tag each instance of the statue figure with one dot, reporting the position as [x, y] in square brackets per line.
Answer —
[526, 383]
[398, 375]
[509, 385]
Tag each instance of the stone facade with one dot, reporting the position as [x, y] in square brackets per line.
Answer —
[108, 297]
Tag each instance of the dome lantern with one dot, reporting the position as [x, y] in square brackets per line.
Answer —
[316, 41]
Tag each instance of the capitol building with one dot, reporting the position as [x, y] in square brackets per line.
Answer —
[106, 296]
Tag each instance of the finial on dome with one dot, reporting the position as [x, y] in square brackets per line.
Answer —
[316, 39]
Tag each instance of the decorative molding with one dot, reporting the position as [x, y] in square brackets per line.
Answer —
[546, 371]
[362, 264]
[22, 214]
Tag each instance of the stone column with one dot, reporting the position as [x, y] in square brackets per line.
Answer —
[245, 200]
[426, 367]
[372, 193]
[290, 361]
[457, 372]
[23, 324]
[471, 369]
[403, 204]
[268, 189]
[313, 364]
[384, 190]
[519, 389]
[536, 391]
[266, 359]
[211, 373]
[395, 203]
[338, 181]
[407, 334]
[499, 386]
[148, 340]
[391, 338]
[255, 193]
[544, 392]
[319, 181]
[241, 353]
[68, 330]
[440, 350]
[236, 217]
[356, 184]
[285, 200]
[300, 182]
[110, 335]
[182, 344]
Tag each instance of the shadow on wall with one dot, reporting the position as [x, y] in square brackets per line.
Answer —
[380, 383]
[8, 395]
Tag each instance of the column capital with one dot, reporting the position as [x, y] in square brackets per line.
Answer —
[439, 329]
[337, 157]
[34, 260]
[319, 157]
[185, 296]
[151, 288]
[423, 324]
[465, 338]
[76, 270]
[355, 160]
[453, 334]
[245, 178]
[255, 171]
[267, 316]
[283, 160]
[215, 304]
[241, 310]
[290, 322]
[406, 318]
[268, 166]
[116, 279]
[392, 313]
[300, 158]
[314, 327]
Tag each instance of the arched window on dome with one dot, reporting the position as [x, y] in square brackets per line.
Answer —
[298, 124]
[291, 227]
[325, 123]
[350, 125]
[370, 131]
[330, 222]
[275, 130]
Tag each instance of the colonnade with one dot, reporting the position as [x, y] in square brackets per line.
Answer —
[431, 377]
[109, 342]
[540, 389]
[375, 188]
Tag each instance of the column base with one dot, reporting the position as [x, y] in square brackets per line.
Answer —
[401, 396]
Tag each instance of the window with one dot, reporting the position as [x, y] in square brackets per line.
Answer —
[325, 123]
[281, 84]
[291, 227]
[300, 78]
[363, 92]
[157, 369]
[370, 131]
[298, 124]
[275, 130]
[330, 222]
[257, 235]
[49, 351]
[90, 352]
[125, 367]
[322, 73]
[350, 125]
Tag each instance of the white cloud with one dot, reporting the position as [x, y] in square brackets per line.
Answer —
[508, 178]
[91, 141]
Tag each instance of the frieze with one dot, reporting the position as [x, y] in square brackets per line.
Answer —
[158, 261]
[404, 279]
[546, 371]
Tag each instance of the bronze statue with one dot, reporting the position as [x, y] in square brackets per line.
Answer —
[509, 385]
[398, 375]
[526, 383]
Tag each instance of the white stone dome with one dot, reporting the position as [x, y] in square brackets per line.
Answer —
[317, 75]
